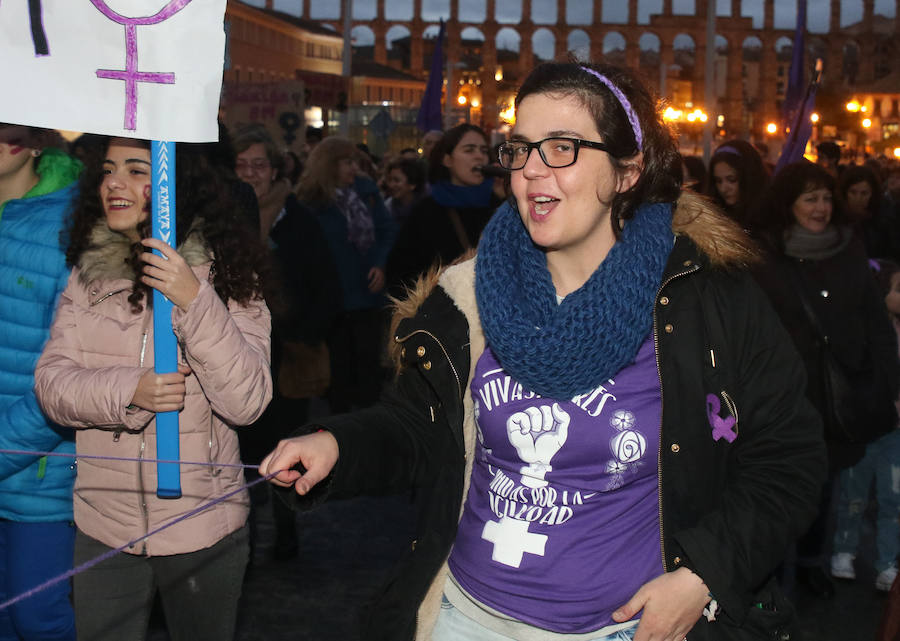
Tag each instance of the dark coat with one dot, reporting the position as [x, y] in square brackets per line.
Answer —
[850, 308]
[728, 510]
[429, 237]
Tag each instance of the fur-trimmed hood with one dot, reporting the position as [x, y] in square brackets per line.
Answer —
[106, 258]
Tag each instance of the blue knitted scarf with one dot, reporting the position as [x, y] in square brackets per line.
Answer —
[562, 350]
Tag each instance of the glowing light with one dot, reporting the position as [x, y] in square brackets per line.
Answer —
[672, 114]
[853, 106]
[864, 109]
[508, 115]
[461, 100]
[475, 102]
[498, 75]
[866, 123]
[814, 117]
[896, 152]
[772, 128]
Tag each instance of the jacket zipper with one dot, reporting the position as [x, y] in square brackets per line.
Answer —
[443, 349]
[662, 541]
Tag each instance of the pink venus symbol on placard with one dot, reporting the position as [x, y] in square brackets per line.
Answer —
[131, 75]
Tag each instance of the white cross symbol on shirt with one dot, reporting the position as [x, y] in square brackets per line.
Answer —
[511, 540]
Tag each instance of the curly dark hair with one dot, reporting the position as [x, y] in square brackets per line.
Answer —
[660, 175]
[203, 199]
[776, 212]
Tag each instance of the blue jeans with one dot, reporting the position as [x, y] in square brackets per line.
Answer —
[453, 625]
[881, 463]
[31, 553]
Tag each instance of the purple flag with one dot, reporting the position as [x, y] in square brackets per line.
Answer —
[801, 127]
[430, 111]
[793, 98]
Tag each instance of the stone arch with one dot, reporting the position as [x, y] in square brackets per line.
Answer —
[614, 48]
[579, 44]
[851, 12]
[684, 52]
[543, 44]
[685, 8]
[399, 10]
[649, 45]
[397, 32]
[363, 10]
[579, 12]
[434, 10]
[884, 57]
[613, 13]
[723, 45]
[473, 11]
[431, 32]
[325, 11]
[509, 13]
[751, 49]
[646, 8]
[362, 36]
[544, 12]
[472, 33]
[784, 47]
[508, 39]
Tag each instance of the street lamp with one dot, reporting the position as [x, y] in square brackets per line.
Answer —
[866, 122]
[853, 106]
[814, 117]
[772, 128]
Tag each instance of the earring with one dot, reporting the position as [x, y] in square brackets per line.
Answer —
[36, 152]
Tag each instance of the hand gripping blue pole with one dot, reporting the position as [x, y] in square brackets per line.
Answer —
[165, 346]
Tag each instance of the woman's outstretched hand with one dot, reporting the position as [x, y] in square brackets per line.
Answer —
[169, 273]
[161, 392]
[317, 452]
[671, 604]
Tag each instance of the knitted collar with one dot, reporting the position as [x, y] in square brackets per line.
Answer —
[562, 350]
[447, 194]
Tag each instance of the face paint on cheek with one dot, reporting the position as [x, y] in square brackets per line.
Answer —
[15, 149]
[147, 201]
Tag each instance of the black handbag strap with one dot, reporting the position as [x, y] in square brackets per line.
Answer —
[807, 306]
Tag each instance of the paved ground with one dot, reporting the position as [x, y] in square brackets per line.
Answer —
[346, 548]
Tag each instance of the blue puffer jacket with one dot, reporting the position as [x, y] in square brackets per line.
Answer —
[33, 272]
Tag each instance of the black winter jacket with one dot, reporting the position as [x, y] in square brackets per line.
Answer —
[728, 510]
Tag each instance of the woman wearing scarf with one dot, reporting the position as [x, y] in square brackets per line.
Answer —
[595, 457]
[815, 256]
[446, 224]
[359, 232]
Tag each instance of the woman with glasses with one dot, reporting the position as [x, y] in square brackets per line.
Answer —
[599, 412]
[448, 222]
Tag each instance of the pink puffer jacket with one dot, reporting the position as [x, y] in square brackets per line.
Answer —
[87, 375]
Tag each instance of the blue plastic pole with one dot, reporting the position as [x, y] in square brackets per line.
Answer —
[165, 346]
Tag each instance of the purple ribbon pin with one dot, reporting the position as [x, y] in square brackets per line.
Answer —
[131, 75]
[721, 427]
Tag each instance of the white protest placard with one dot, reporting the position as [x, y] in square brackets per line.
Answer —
[147, 69]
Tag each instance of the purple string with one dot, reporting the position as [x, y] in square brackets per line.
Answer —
[111, 553]
[124, 458]
[626, 106]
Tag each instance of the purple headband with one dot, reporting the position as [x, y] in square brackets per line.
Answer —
[728, 149]
[626, 105]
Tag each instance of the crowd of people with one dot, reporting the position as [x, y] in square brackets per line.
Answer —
[621, 386]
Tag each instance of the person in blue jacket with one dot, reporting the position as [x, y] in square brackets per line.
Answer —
[360, 232]
[36, 531]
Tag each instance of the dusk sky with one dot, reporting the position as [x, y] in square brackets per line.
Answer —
[578, 11]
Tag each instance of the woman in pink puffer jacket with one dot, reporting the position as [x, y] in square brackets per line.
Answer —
[96, 375]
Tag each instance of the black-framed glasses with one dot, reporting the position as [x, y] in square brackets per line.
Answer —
[555, 152]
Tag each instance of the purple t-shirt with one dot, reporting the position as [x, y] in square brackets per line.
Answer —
[561, 523]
